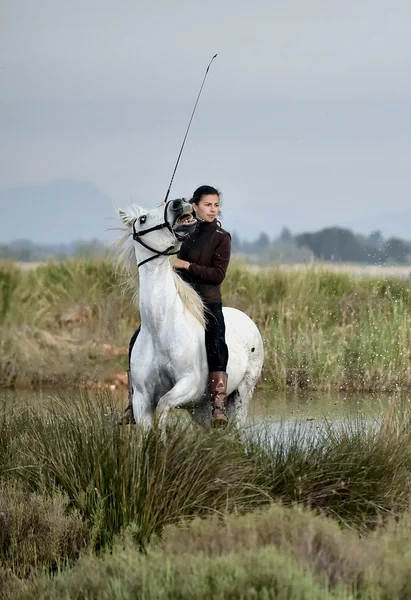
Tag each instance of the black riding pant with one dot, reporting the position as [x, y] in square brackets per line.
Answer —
[216, 347]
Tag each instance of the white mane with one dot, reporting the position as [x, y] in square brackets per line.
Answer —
[125, 265]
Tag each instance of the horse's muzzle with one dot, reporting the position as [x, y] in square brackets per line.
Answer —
[184, 221]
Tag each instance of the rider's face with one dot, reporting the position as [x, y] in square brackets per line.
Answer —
[208, 207]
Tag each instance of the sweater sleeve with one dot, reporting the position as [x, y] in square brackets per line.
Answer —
[215, 273]
[183, 252]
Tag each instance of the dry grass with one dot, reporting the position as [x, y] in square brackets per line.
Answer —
[358, 270]
[322, 329]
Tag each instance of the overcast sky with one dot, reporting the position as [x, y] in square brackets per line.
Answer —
[304, 119]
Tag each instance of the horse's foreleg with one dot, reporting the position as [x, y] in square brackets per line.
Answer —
[238, 404]
[184, 392]
[142, 409]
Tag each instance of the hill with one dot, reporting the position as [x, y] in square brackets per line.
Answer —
[58, 212]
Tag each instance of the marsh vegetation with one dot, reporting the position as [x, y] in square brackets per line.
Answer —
[92, 510]
[68, 322]
[83, 500]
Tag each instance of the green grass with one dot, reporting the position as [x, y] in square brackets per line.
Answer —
[263, 574]
[322, 330]
[329, 331]
[116, 475]
[72, 481]
[276, 553]
[74, 485]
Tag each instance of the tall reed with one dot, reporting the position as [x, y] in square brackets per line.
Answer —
[322, 330]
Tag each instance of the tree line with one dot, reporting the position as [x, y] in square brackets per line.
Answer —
[27, 251]
[331, 244]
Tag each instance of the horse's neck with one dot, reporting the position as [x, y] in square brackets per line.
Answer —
[158, 293]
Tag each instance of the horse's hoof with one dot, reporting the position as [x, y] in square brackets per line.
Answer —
[127, 418]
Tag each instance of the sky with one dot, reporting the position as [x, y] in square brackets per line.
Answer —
[304, 120]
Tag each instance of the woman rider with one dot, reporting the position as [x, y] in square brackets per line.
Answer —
[202, 262]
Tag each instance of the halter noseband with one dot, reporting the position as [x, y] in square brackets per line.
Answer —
[137, 236]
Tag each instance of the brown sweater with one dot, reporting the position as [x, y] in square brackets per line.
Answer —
[208, 250]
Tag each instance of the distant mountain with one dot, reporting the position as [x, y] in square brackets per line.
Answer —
[52, 248]
[58, 212]
[394, 224]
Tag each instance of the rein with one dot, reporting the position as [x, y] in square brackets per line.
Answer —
[137, 237]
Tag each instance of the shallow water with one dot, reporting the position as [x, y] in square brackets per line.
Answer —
[285, 415]
[267, 406]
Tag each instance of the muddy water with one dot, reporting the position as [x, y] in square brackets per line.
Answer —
[281, 415]
[291, 406]
[267, 405]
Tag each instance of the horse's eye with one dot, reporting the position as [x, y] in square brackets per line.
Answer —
[142, 219]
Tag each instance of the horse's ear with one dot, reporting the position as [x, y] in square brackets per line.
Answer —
[126, 218]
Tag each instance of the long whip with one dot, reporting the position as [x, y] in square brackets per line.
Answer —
[188, 128]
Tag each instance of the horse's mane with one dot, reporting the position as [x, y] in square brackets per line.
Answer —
[125, 265]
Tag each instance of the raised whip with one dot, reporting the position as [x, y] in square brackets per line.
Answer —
[188, 128]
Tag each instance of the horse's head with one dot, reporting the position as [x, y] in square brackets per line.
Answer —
[181, 217]
[162, 229]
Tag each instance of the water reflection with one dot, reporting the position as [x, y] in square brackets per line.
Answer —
[303, 417]
[268, 405]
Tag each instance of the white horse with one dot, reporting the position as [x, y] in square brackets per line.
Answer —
[168, 361]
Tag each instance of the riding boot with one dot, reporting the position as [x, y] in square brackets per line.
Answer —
[218, 389]
[128, 417]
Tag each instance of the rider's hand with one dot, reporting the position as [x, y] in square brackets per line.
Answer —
[181, 264]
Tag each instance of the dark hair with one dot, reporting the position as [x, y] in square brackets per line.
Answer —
[204, 190]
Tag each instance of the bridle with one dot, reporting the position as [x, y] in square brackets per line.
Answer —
[137, 236]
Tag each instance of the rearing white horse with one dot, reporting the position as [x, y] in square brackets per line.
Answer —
[168, 361]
